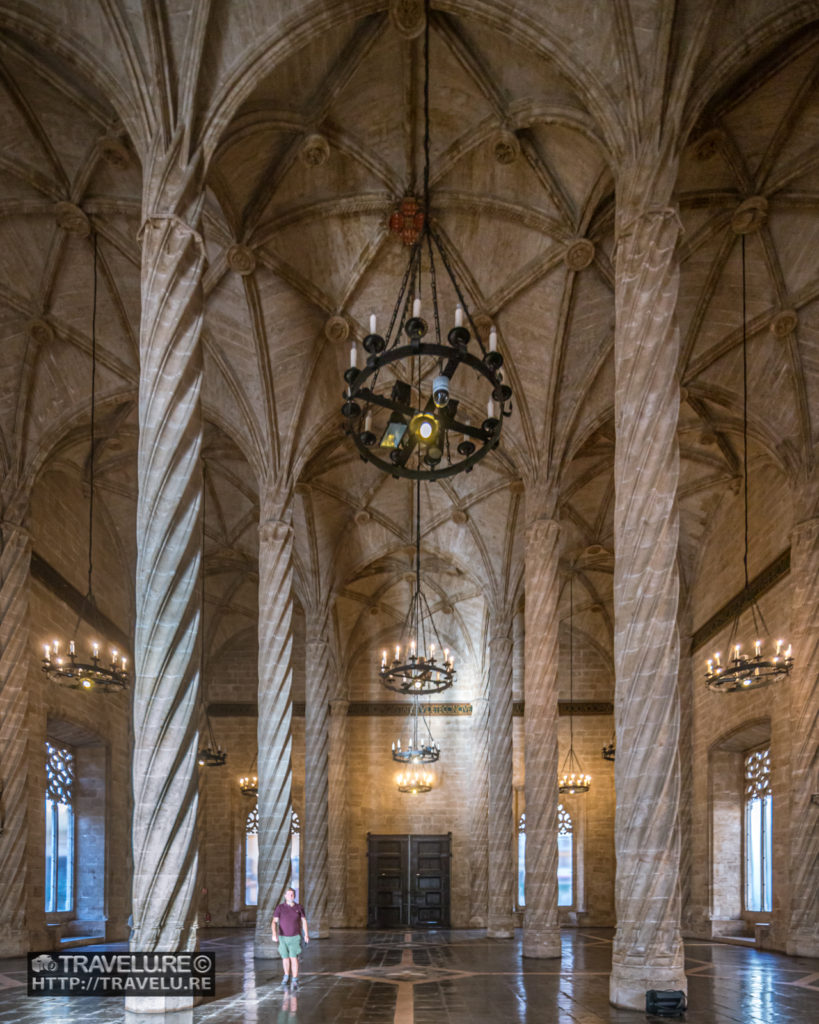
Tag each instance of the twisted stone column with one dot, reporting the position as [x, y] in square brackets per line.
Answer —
[274, 728]
[803, 938]
[502, 860]
[15, 559]
[479, 800]
[648, 951]
[337, 814]
[168, 534]
[316, 779]
[541, 927]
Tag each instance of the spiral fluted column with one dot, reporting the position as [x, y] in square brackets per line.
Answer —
[500, 923]
[316, 780]
[803, 937]
[274, 727]
[337, 813]
[541, 928]
[168, 534]
[479, 803]
[648, 951]
[15, 559]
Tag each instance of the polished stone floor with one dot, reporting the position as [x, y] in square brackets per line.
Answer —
[449, 977]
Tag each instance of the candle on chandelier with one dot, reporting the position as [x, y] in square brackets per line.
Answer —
[368, 421]
[47, 649]
[779, 644]
[372, 323]
[383, 659]
[96, 649]
[789, 651]
[757, 647]
[353, 355]
[114, 656]
[490, 409]
[71, 649]
[416, 308]
[493, 339]
[736, 651]
[459, 315]
[397, 652]
[122, 664]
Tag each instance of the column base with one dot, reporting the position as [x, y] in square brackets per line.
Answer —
[803, 945]
[177, 1009]
[265, 948]
[628, 984]
[500, 933]
[18, 941]
[543, 944]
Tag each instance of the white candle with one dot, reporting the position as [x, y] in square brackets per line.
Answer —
[372, 323]
[71, 649]
[416, 307]
[490, 409]
[114, 656]
[368, 422]
[397, 653]
[383, 659]
[56, 646]
[122, 665]
[459, 315]
[757, 646]
[493, 340]
[47, 648]
[96, 650]
[353, 356]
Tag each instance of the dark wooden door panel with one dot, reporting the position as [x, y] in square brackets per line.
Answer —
[408, 881]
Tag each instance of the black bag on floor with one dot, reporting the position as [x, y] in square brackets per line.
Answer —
[670, 1003]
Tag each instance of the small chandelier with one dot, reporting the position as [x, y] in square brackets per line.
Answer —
[415, 780]
[418, 751]
[423, 665]
[610, 751]
[249, 784]
[572, 777]
[68, 669]
[211, 755]
[416, 423]
[743, 670]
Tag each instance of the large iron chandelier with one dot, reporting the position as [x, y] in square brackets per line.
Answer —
[211, 755]
[418, 750]
[742, 669]
[421, 665]
[403, 409]
[572, 777]
[61, 661]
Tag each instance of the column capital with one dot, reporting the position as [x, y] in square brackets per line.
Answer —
[275, 530]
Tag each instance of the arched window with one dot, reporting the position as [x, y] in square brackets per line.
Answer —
[522, 860]
[295, 848]
[758, 830]
[565, 859]
[252, 857]
[59, 829]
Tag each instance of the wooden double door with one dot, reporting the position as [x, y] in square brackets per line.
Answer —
[409, 881]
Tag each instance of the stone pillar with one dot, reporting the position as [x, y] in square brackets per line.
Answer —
[541, 927]
[15, 558]
[648, 952]
[168, 535]
[337, 813]
[316, 778]
[479, 801]
[274, 728]
[803, 937]
[502, 832]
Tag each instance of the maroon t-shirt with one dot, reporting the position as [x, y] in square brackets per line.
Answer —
[289, 918]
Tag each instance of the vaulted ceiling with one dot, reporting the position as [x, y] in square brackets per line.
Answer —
[310, 121]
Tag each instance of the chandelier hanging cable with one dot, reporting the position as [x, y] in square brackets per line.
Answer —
[414, 425]
[67, 668]
[572, 777]
[769, 661]
[421, 749]
[211, 755]
[422, 665]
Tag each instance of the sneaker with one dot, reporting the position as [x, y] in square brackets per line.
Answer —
[294, 985]
[285, 981]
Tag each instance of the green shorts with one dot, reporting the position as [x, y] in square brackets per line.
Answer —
[289, 946]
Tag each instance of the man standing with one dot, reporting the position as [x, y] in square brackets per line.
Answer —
[285, 929]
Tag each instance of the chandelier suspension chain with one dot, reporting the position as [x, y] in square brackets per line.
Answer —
[745, 412]
[92, 455]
